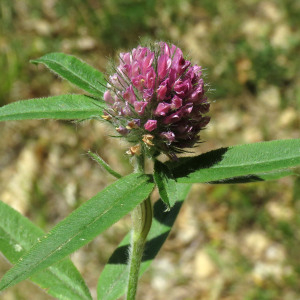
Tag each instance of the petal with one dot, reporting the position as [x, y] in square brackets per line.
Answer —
[162, 109]
[163, 66]
[168, 135]
[129, 95]
[140, 106]
[108, 98]
[162, 90]
[176, 102]
[150, 125]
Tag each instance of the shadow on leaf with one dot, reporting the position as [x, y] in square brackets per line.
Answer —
[165, 218]
[187, 165]
[239, 179]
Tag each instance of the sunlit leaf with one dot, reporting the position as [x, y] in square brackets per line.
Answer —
[243, 160]
[74, 70]
[80, 227]
[17, 236]
[66, 107]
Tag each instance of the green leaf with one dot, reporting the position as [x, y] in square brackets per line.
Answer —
[255, 178]
[104, 165]
[17, 235]
[74, 70]
[67, 107]
[113, 280]
[80, 227]
[243, 160]
[166, 184]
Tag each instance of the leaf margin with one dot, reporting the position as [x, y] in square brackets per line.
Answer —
[89, 78]
[21, 271]
[13, 251]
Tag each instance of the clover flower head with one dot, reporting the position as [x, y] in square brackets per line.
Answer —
[156, 98]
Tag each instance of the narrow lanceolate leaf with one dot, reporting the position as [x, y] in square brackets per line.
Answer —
[244, 160]
[74, 70]
[17, 235]
[66, 107]
[113, 280]
[166, 184]
[103, 164]
[82, 226]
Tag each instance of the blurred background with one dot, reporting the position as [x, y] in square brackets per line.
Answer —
[230, 242]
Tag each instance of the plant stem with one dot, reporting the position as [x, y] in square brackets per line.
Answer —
[141, 222]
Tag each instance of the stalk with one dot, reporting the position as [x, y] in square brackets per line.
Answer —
[141, 218]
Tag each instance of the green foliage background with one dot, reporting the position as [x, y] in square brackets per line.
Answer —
[244, 237]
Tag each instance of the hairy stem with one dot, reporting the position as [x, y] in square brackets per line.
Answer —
[141, 222]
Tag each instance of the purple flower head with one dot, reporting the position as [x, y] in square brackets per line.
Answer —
[156, 99]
